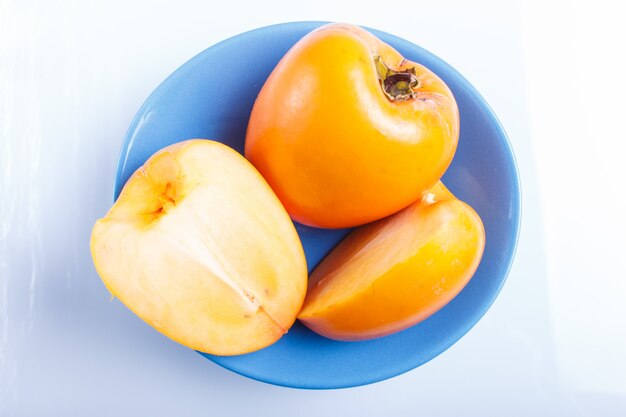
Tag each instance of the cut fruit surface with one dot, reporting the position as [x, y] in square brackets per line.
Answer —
[199, 247]
[393, 273]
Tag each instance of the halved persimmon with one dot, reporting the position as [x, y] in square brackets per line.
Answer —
[391, 274]
[200, 248]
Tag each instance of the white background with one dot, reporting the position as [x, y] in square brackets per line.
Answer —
[72, 75]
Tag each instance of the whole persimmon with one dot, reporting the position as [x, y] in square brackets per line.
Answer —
[346, 131]
[393, 273]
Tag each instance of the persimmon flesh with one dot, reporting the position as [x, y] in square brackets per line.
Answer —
[200, 248]
[347, 131]
[392, 274]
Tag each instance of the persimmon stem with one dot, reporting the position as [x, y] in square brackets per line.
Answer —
[397, 85]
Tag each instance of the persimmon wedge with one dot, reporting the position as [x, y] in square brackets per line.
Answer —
[391, 274]
[347, 131]
[200, 248]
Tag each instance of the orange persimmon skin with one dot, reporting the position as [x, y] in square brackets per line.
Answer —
[333, 146]
[392, 274]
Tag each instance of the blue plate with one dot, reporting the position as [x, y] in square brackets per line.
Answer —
[211, 96]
